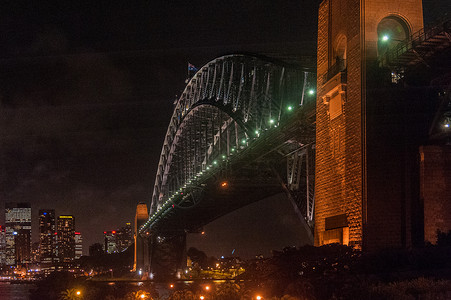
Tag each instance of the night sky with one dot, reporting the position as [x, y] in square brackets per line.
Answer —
[87, 90]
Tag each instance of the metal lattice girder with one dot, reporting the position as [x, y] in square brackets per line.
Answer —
[227, 104]
[301, 179]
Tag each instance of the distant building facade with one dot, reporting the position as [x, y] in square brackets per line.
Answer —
[17, 233]
[47, 236]
[2, 246]
[66, 238]
[124, 237]
[110, 242]
[35, 252]
[96, 249]
[78, 245]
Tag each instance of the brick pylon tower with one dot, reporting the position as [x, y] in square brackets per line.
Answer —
[141, 257]
[348, 206]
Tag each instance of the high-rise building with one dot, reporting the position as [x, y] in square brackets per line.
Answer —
[78, 245]
[17, 233]
[110, 241]
[47, 237]
[2, 246]
[124, 237]
[35, 253]
[96, 249]
[65, 238]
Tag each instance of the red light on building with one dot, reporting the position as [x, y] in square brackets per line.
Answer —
[104, 232]
[114, 232]
[77, 233]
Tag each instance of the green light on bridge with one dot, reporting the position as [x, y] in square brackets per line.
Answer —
[271, 121]
[311, 92]
[290, 108]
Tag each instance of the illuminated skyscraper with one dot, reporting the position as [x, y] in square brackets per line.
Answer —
[110, 242]
[47, 238]
[2, 246]
[124, 237]
[65, 238]
[78, 245]
[35, 252]
[17, 233]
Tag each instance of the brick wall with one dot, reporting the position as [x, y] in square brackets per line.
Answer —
[345, 183]
[435, 189]
[338, 187]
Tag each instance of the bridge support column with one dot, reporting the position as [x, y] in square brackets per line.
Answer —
[167, 255]
[362, 193]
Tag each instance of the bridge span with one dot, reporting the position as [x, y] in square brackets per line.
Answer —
[242, 130]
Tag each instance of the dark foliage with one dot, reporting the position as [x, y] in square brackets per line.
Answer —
[339, 272]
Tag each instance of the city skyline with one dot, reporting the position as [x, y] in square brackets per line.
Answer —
[45, 232]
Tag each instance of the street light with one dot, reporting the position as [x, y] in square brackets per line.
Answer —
[224, 184]
[78, 293]
[386, 38]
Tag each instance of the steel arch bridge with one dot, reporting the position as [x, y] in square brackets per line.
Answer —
[242, 130]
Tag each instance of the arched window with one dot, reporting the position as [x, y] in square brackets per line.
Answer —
[391, 31]
[340, 52]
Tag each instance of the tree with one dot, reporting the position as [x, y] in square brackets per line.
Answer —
[71, 294]
[197, 256]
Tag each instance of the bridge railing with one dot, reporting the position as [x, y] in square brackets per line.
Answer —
[412, 42]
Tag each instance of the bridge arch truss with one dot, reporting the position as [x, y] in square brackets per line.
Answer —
[225, 107]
